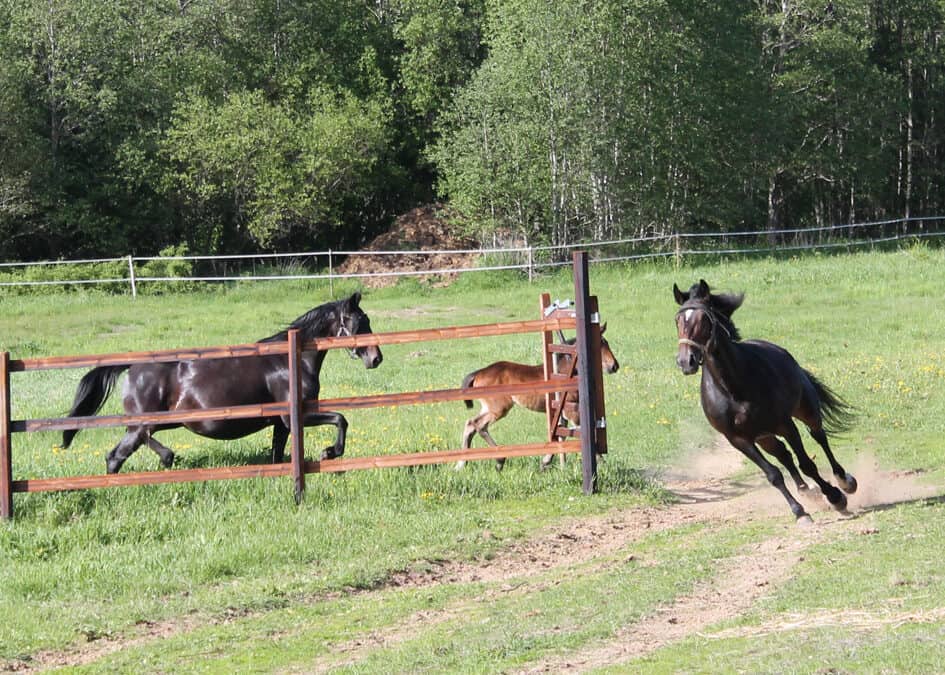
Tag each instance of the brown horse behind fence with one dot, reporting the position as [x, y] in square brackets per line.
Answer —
[494, 408]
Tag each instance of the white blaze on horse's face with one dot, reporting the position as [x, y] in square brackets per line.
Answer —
[689, 326]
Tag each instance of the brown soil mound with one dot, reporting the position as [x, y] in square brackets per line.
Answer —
[426, 228]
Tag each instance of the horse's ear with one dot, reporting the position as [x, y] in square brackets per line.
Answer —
[679, 295]
[354, 301]
[703, 289]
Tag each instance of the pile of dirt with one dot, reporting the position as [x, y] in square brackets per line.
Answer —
[426, 228]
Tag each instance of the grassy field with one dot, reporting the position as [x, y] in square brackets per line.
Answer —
[232, 575]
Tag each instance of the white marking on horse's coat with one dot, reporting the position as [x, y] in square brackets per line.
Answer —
[689, 314]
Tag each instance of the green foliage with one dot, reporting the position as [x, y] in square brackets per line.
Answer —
[234, 126]
[172, 267]
[53, 279]
[269, 171]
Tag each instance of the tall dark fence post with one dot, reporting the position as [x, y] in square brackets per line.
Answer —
[587, 388]
[6, 440]
[296, 431]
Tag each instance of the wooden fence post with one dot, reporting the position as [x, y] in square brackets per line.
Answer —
[544, 301]
[6, 440]
[587, 388]
[296, 430]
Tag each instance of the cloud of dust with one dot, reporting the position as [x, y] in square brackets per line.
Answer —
[877, 487]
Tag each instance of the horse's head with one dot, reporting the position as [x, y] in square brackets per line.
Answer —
[700, 314]
[352, 320]
[607, 359]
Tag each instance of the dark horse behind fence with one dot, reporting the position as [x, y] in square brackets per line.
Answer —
[751, 390]
[494, 408]
[213, 383]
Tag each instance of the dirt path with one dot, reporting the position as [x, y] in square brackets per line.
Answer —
[706, 492]
[741, 580]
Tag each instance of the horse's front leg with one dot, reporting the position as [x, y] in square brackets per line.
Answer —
[340, 423]
[773, 474]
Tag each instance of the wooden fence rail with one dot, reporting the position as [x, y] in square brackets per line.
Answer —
[583, 319]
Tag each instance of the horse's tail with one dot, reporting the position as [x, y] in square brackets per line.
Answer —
[469, 381]
[94, 388]
[838, 414]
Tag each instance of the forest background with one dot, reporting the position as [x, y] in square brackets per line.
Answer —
[231, 126]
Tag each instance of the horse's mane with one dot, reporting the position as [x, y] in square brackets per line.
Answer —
[722, 306]
[311, 324]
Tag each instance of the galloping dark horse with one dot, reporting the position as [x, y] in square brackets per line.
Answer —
[212, 383]
[752, 389]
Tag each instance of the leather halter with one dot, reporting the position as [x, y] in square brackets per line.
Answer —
[714, 320]
[343, 331]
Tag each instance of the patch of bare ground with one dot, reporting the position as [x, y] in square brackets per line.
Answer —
[706, 493]
[744, 579]
[429, 241]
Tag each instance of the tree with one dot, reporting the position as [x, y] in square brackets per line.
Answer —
[254, 173]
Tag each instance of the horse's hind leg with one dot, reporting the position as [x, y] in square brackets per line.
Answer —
[164, 452]
[809, 413]
[280, 435]
[479, 424]
[845, 480]
[779, 451]
[836, 498]
[133, 439]
[469, 430]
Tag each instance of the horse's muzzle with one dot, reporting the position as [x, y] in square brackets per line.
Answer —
[371, 357]
[688, 361]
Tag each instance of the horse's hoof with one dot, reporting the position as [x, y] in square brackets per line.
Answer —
[805, 521]
[168, 462]
[459, 466]
[838, 500]
[112, 466]
[847, 483]
[330, 453]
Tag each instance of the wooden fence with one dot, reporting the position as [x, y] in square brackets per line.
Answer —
[583, 318]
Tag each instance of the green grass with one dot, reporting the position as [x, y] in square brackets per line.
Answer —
[106, 563]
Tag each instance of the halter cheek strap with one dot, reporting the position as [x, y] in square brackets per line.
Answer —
[344, 332]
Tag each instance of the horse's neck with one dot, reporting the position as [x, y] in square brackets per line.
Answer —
[724, 366]
[313, 362]
[563, 362]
